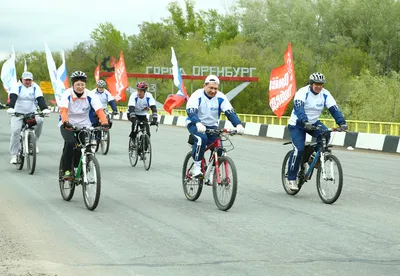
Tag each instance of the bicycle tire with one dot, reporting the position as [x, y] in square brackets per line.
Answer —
[31, 153]
[66, 194]
[132, 152]
[92, 204]
[187, 165]
[333, 199]
[105, 145]
[227, 183]
[146, 151]
[284, 173]
[21, 155]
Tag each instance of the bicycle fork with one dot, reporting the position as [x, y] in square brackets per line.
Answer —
[83, 172]
[324, 175]
[26, 140]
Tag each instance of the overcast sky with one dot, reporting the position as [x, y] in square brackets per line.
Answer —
[27, 24]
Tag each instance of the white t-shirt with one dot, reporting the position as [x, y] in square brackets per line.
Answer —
[104, 97]
[26, 102]
[80, 110]
[313, 104]
[208, 110]
[142, 106]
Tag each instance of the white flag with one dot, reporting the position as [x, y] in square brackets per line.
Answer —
[8, 73]
[51, 65]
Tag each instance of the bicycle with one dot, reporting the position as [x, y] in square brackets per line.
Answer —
[317, 156]
[141, 146]
[27, 141]
[220, 173]
[86, 172]
[103, 136]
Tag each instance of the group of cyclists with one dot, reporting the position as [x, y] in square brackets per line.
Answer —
[80, 107]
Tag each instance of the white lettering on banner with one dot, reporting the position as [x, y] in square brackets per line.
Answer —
[118, 79]
[279, 83]
[206, 70]
[279, 99]
[161, 70]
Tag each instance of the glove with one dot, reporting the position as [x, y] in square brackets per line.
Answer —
[10, 110]
[105, 127]
[200, 127]
[344, 127]
[67, 125]
[46, 111]
[240, 129]
[308, 126]
[154, 119]
[115, 113]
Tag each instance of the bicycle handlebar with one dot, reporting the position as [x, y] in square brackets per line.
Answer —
[221, 131]
[335, 129]
[40, 114]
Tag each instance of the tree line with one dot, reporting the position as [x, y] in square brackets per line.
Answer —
[354, 43]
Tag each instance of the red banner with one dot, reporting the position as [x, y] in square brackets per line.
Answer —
[97, 73]
[282, 84]
[118, 82]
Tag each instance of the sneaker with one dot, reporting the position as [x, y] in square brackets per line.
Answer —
[196, 169]
[13, 159]
[37, 150]
[293, 185]
[67, 175]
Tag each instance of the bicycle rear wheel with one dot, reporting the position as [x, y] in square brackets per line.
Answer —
[146, 151]
[31, 153]
[67, 187]
[329, 189]
[92, 188]
[285, 171]
[192, 187]
[105, 141]
[224, 192]
[133, 152]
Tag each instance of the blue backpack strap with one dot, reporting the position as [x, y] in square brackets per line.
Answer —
[19, 89]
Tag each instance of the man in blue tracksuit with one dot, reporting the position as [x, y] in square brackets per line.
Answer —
[309, 103]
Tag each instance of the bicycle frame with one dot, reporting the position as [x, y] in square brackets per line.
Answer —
[215, 146]
[82, 145]
[320, 154]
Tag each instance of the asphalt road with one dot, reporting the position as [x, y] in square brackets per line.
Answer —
[145, 226]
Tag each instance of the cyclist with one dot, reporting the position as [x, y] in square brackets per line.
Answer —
[105, 97]
[309, 101]
[203, 109]
[138, 106]
[24, 98]
[77, 109]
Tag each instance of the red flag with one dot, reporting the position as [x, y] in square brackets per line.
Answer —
[282, 84]
[118, 82]
[173, 101]
[97, 73]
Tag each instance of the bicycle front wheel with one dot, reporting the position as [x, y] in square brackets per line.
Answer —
[67, 187]
[92, 188]
[133, 152]
[30, 153]
[330, 187]
[285, 172]
[192, 187]
[146, 151]
[225, 190]
[105, 141]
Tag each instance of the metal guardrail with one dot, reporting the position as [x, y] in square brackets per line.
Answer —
[356, 126]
